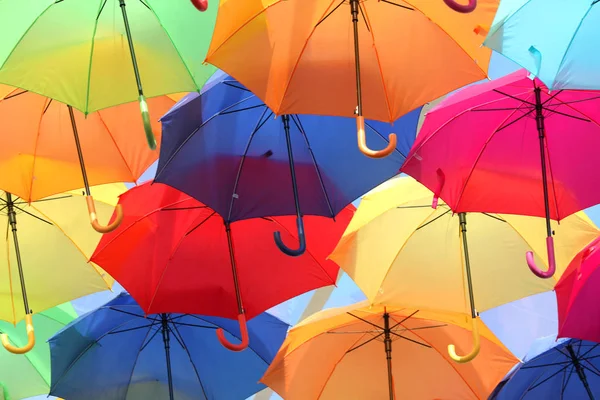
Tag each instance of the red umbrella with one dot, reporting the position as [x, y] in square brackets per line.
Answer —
[578, 296]
[175, 254]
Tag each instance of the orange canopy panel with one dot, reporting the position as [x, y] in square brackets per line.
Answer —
[298, 55]
[38, 156]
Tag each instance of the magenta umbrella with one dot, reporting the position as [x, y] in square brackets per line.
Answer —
[509, 146]
[578, 296]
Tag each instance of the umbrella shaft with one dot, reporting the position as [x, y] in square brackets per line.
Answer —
[236, 284]
[354, 11]
[12, 219]
[86, 183]
[580, 372]
[539, 117]
[288, 141]
[387, 341]
[136, 71]
[166, 341]
[463, 228]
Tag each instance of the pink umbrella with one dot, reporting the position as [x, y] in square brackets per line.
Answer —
[578, 296]
[509, 146]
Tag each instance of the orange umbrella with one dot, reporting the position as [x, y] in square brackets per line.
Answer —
[45, 143]
[380, 353]
[305, 57]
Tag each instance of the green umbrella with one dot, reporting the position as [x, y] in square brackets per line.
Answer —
[28, 375]
[95, 54]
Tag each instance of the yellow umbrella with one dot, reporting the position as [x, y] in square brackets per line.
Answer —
[401, 251]
[377, 352]
[44, 261]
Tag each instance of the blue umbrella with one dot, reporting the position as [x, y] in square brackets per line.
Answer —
[225, 148]
[556, 40]
[554, 369]
[117, 353]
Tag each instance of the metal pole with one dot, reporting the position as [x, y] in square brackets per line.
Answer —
[12, 220]
[462, 217]
[388, 352]
[580, 372]
[238, 295]
[79, 152]
[166, 340]
[286, 126]
[539, 118]
[131, 49]
[354, 12]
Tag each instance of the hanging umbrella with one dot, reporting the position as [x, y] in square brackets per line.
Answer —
[45, 256]
[577, 296]
[107, 352]
[558, 48]
[175, 254]
[563, 369]
[29, 375]
[378, 352]
[49, 148]
[219, 147]
[98, 54]
[399, 250]
[510, 146]
[302, 57]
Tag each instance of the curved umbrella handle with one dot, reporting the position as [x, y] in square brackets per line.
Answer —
[147, 125]
[30, 338]
[438, 189]
[551, 261]
[301, 239]
[462, 8]
[476, 346]
[243, 331]
[201, 5]
[362, 141]
[94, 218]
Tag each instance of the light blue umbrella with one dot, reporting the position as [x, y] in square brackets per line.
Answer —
[556, 40]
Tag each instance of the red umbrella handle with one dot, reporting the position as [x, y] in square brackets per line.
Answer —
[551, 261]
[244, 333]
[201, 5]
[462, 8]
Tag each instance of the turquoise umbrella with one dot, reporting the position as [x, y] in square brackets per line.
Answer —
[556, 40]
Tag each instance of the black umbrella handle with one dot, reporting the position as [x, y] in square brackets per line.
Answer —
[462, 8]
[301, 239]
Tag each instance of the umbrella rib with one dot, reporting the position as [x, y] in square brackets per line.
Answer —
[100, 11]
[411, 340]
[546, 365]
[46, 199]
[241, 109]
[296, 120]
[137, 358]
[233, 85]
[581, 100]
[420, 328]
[593, 370]
[32, 215]
[515, 97]
[566, 379]
[331, 12]
[194, 325]
[200, 224]
[433, 220]
[364, 320]
[144, 3]
[364, 343]
[259, 124]
[531, 387]
[10, 96]
[147, 341]
[192, 362]
[352, 332]
[126, 312]
[364, 17]
[494, 217]
[397, 5]
[177, 338]
[529, 112]
[182, 208]
[566, 115]
[404, 319]
[384, 137]
[131, 329]
[423, 206]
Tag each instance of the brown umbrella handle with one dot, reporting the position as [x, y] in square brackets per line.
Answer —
[462, 8]
[362, 141]
[94, 218]
[201, 5]
[30, 338]
[476, 346]
[243, 331]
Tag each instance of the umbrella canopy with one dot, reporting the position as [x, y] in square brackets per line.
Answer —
[565, 369]
[577, 296]
[39, 156]
[116, 351]
[399, 250]
[226, 141]
[338, 354]
[509, 146]
[98, 54]
[175, 254]
[46, 252]
[558, 48]
[28, 375]
[351, 58]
